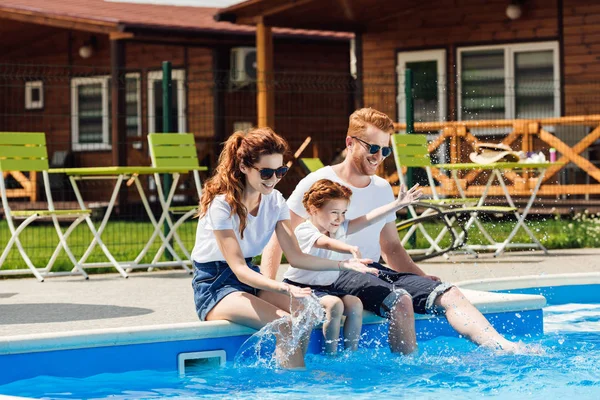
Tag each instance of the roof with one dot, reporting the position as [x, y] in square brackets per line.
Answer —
[332, 15]
[105, 16]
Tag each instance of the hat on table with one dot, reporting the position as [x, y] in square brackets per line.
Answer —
[489, 153]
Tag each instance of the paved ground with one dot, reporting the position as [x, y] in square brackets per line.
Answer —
[109, 301]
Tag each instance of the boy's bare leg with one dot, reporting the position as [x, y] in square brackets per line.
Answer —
[353, 310]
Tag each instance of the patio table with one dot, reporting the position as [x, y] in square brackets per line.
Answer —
[497, 170]
[129, 174]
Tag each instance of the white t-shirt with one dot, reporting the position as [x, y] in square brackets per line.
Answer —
[259, 228]
[377, 193]
[307, 235]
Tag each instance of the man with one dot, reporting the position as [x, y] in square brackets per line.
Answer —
[402, 288]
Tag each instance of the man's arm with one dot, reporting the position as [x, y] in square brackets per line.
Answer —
[394, 253]
[271, 256]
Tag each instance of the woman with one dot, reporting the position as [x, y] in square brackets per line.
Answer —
[239, 211]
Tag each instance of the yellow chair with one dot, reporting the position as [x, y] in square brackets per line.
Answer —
[25, 151]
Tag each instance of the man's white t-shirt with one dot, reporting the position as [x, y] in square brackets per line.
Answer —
[307, 235]
[377, 193]
[259, 228]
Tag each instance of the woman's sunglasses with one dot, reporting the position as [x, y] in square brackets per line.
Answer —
[374, 148]
[267, 173]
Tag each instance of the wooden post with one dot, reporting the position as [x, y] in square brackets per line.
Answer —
[119, 112]
[265, 95]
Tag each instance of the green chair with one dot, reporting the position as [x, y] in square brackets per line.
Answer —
[175, 150]
[434, 213]
[25, 151]
[410, 150]
[311, 164]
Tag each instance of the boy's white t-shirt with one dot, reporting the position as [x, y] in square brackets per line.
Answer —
[377, 193]
[307, 235]
[257, 234]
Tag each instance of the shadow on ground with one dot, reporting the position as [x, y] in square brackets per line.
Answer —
[39, 313]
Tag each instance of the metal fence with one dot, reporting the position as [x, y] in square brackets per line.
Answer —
[73, 107]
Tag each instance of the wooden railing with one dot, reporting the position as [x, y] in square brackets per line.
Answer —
[459, 135]
[28, 187]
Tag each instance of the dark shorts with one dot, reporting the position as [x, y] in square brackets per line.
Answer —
[379, 293]
[213, 281]
[318, 290]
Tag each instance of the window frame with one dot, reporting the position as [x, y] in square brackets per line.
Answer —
[106, 113]
[29, 103]
[178, 76]
[509, 73]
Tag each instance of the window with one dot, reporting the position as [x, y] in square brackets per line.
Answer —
[91, 111]
[34, 95]
[509, 81]
[178, 102]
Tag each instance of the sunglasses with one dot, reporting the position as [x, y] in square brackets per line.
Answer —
[267, 173]
[374, 148]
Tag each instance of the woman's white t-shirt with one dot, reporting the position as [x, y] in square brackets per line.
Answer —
[307, 235]
[376, 194]
[259, 228]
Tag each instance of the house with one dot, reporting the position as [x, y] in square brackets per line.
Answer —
[88, 74]
[471, 60]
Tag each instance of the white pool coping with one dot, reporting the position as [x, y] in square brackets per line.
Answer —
[486, 302]
[531, 281]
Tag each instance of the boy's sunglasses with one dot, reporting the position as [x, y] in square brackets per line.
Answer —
[374, 148]
[267, 173]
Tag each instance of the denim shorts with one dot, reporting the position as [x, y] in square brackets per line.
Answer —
[213, 281]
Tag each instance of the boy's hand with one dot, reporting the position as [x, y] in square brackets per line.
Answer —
[355, 251]
[407, 197]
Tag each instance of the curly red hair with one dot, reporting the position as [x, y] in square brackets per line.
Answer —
[322, 191]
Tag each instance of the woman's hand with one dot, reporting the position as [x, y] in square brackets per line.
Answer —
[407, 197]
[358, 265]
[295, 291]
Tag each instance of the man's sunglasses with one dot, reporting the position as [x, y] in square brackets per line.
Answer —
[374, 148]
[267, 173]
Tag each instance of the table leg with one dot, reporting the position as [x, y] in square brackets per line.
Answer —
[521, 217]
[98, 232]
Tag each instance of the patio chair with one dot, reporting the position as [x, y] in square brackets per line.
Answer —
[311, 164]
[175, 150]
[25, 151]
[410, 150]
[434, 213]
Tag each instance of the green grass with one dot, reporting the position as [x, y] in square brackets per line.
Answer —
[126, 239]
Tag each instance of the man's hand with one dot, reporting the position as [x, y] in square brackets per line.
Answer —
[407, 197]
[432, 277]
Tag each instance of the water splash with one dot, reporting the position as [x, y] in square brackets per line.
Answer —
[259, 349]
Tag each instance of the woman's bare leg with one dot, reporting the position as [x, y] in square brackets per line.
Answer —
[353, 310]
[469, 322]
[246, 309]
[334, 309]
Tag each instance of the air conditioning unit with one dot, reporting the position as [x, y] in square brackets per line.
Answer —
[243, 66]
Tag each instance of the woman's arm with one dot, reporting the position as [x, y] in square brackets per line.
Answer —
[404, 198]
[298, 259]
[230, 248]
[327, 243]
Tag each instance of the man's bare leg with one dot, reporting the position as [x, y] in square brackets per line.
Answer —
[470, 322]
[401, 332]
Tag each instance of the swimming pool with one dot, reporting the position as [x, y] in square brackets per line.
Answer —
[445, 367]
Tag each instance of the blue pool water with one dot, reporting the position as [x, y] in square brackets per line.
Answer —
[445, 368]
